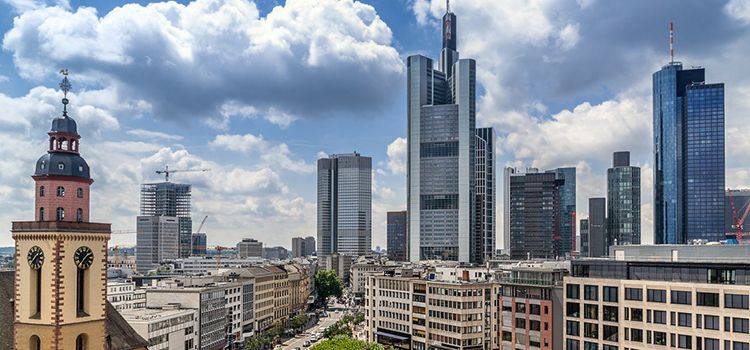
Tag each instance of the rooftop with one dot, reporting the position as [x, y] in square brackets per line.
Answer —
[60, 226]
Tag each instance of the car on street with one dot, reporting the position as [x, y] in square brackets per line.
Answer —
[306, 344]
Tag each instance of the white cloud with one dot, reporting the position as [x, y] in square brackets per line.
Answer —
[739, 9]
[219, 59]
[21, 6]
[568, 37]
[397, 156]
[153, 135]
[274, 155]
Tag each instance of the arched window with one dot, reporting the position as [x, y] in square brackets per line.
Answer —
[60, 191]
[81, 342]
[41, 191]
[41, 214]
[79, 215]
[63, 144]
[79, 193]
[60, 214]
[35, 343]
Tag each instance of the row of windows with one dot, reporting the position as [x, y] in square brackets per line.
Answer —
[61, 191]
[732, 301]
[60, 214]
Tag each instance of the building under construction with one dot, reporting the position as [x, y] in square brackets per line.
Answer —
[170, 199]
[736, 209]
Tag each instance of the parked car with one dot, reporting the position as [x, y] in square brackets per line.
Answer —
[306, 344]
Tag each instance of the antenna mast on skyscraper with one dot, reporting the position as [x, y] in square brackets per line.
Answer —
[671, 43]
[447, 6]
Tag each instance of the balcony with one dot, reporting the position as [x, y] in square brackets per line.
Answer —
[60, 226]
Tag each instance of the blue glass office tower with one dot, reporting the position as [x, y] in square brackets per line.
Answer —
[567, 208]
[688, 154]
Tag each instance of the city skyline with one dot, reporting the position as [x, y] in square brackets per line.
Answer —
[262, 156]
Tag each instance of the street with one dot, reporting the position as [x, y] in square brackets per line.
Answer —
[324, 322]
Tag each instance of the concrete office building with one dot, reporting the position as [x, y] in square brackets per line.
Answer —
[170, 199]
[584, 229]
[623, 201]
[483, 241]
[653, 297]
[303, 247]
[396, 235]
[441, 156]
[340, 263]
[736, 205]
[689, 157]
[120, 293]
[165, 328]
[275, 253]
[597, 227]
[534, 215]
[344, 204]
[250, 248]
[209, 304]
[567, 208]
[157, 241]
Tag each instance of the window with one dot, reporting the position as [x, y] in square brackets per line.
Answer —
[534, 309]
[591, 330]
[521, 307]
[610, 313]
[573, 309]
[81, 293]
[572, 291]
[736, 301]
[657, 295]
[636, 314]
[35, 343]
[79, 193]
[521, 323]
[609, 294]
[61, 166]
[682, 297]
[79, 215]
[591, 292]
[41, 194]
[534, 325]
[684, 341]
[710, 344]
[740, 346]
[634, 294]
[609, 347]
[60, 214]
[707, 299]
[660, 338]
[587, 345]
[636, 335]
[572, 344]
[684, 319]
[572, 328]
[41, 214]
[81, 342]
[740, 325]
[610, 333]
[591, 312]
[721, 276]
[60, 191]
[711, 322]
[660, 317]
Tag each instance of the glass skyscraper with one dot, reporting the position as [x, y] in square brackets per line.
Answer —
[688, 155]
[567, 215]
[345, 204]
[623, 201]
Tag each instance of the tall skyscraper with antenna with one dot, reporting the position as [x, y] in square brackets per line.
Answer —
[688, 154]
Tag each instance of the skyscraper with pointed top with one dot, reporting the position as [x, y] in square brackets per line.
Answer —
[442, 157]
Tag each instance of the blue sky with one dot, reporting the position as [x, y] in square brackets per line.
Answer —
[258, 90]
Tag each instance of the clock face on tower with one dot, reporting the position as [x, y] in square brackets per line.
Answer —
[83, 257]
[35, 257]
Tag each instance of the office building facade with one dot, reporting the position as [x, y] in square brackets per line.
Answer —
[567, 208]
[507, 173]
[484, 239]
[303, 247]
[597, 239]
[534, 215]
[344, 204]
[688, 155]
[441, 160]
[623, 201]
[250, 248]
[199, 244]
[396, 235]
[170, 199]
[584, 229]
[157, 241]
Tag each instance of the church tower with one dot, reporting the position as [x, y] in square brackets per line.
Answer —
[61, 257]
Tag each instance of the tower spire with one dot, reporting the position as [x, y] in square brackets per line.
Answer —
[671, 43]
[447, 6]
[65, 86]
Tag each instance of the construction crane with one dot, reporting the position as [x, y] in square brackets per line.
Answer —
[738, 221]
[218, 255]
[202, 223]
[166, 171]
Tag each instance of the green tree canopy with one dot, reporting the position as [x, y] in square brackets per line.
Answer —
[298, 321]
[343, 342]
[328, 284]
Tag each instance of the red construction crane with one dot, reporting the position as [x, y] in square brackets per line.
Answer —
[201, 225]
[738, 222]
[166, 171]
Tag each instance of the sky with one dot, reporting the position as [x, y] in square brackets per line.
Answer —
[257, 91]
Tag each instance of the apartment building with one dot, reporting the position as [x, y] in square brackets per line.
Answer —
[660, 297]
[168, 328]
[363, 266]
[263, 304]
[208, 302]
[121, 293]
[410, 312]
